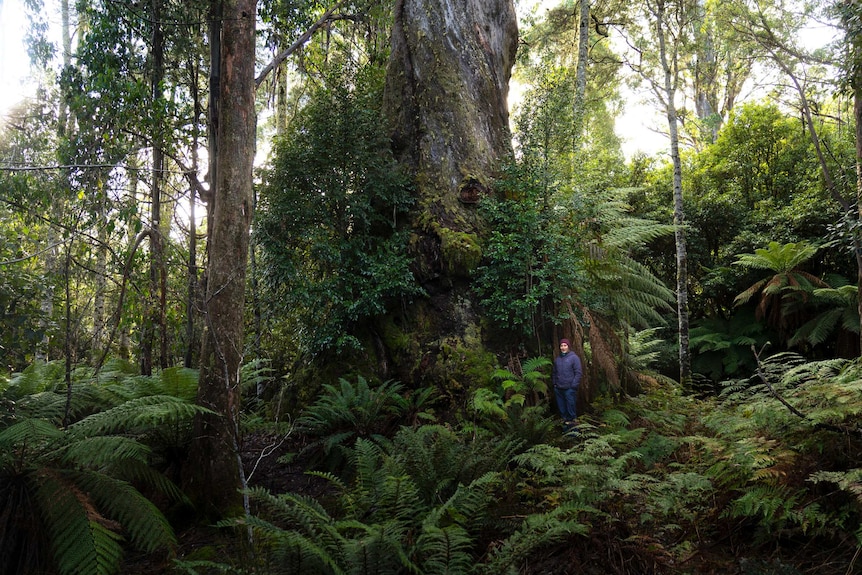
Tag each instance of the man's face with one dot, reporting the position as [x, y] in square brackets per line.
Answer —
[564, 347]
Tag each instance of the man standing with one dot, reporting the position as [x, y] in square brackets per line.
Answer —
[566, 378]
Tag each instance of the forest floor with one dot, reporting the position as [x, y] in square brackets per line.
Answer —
[206, 550]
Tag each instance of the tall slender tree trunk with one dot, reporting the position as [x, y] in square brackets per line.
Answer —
[669, 68]
[213, 474]
[579, 101]
[191, 293]
[853, 38]
[706, 74]
[51, 256]
[101, 275]
[446, 100]
[156, 302]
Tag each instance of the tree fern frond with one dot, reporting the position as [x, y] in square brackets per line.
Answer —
[749, 292]
[43, 405]
[632, 232]
[136, 414]
[139, 472]
[82, 544]
[101, 451]
[36, 378]
[179, 382]
[139, 517]
[30, 432]
[816, 330]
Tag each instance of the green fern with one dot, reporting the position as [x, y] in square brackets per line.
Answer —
[537, 533]
[82, 542]
[850, 480]
[446, 550]
[347, 412]
[70, 489]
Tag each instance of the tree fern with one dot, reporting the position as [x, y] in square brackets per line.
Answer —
[75, 483]
[788, 287]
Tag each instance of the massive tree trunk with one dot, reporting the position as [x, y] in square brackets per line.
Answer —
[446, 98]
[213, 475]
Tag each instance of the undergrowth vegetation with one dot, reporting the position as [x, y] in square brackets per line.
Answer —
[763, 478]
[82, 461]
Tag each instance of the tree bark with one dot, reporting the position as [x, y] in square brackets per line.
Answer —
[579, 101]
[857, 248]
[671, 75]
[213, 475]
[446, 100]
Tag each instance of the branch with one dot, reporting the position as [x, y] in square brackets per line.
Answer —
[793, 410]
[148, 232]
[771, 389]
[293, 47]
[29, 256]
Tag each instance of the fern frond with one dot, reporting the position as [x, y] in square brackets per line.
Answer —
[444, 550]
[488, 403]
[43, 405]
[179, 382]
[313, 538]
[376, 548]
[749, 292]
[30, 432]
[36, 378]
[139, 472]
[101, 451]
[137, 414]
[82, 544]
[534, 365]
[536, 533]
[139, 517]
[849, 481]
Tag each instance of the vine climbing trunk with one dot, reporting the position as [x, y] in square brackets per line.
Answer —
[446, 100]
[213, 474]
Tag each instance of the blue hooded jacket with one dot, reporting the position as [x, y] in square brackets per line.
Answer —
[567, 371]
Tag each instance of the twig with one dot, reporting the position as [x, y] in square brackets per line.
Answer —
[836, 428]
[771, 389]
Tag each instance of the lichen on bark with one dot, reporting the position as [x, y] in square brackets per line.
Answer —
[446, 103]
